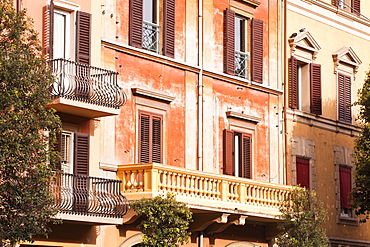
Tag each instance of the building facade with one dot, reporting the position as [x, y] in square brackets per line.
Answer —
[224, 103]
[326, 60]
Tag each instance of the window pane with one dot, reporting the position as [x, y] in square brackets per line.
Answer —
[59, 35]
[149, 10]
[236, 156]
[239, 34]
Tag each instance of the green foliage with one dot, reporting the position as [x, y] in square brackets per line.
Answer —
[302, 214]
[25, 129]
[165, 222]
[361, 191]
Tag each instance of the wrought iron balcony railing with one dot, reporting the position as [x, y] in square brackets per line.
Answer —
[241, 64]
[86, 83]
[151, 36]
[89, 196]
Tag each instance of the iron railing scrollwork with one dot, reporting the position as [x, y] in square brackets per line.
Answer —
[241, 64]
[151, 36]
[86, 83]
[90, 196]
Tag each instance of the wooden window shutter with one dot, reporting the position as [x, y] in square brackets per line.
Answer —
[303, 172]
[136, 24]
[293, 83]
[335, 2]
[257, 50]
[345, 187]
[83, 37]
[58, 148]
[144, 138]
[228, 152]
[247, 156]
[81, 154]
[169, 28]
[315, 75]
[150, 137]
[48, 30]
[356, 7]
[229, 42]
[344, 98]
[157, 139]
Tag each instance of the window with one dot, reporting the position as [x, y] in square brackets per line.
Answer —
[303, 162]
[344, 98]
[305, 86]
[59, 33]
[150, 137]
[303, 172]
[236, 55]
[352, 6]
[343, 185]
[152, 26]
[74, 149]
[345, 191]
[237, 154]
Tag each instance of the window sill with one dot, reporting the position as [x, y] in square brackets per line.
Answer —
[351, 221]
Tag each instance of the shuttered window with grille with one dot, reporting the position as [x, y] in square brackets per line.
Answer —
[146, 28]
[150, 137]
[237, 154]
[353, 6]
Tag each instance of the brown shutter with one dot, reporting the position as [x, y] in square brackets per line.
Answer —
[344, 98]
[150, 137]
[356, 7]
[257, 50]
[48, 30]
[136, 24]
[228, 152]
[247, 156]
[335, 2]
[157, 139]
[81, 168]
[144, 138]
[81, 154]
[315, 77]
[293, 83]
[58, 148]
[229, 42]
[169, 28]
[83, 37]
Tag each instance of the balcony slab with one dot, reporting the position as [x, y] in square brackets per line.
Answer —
[80, 108]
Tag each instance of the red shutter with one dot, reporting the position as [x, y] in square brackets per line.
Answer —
[303, 172]
[356, 7]
[144, 138]
[344, 98]
[315, 78]
[83, 37]
[345, 187]
[136, 23]
[293, 83]
[48, 30]
[247, 156]
[169, 28]
[81, 154]
[257, 50]
[228, 152]
[156, 139]
[229, 42]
